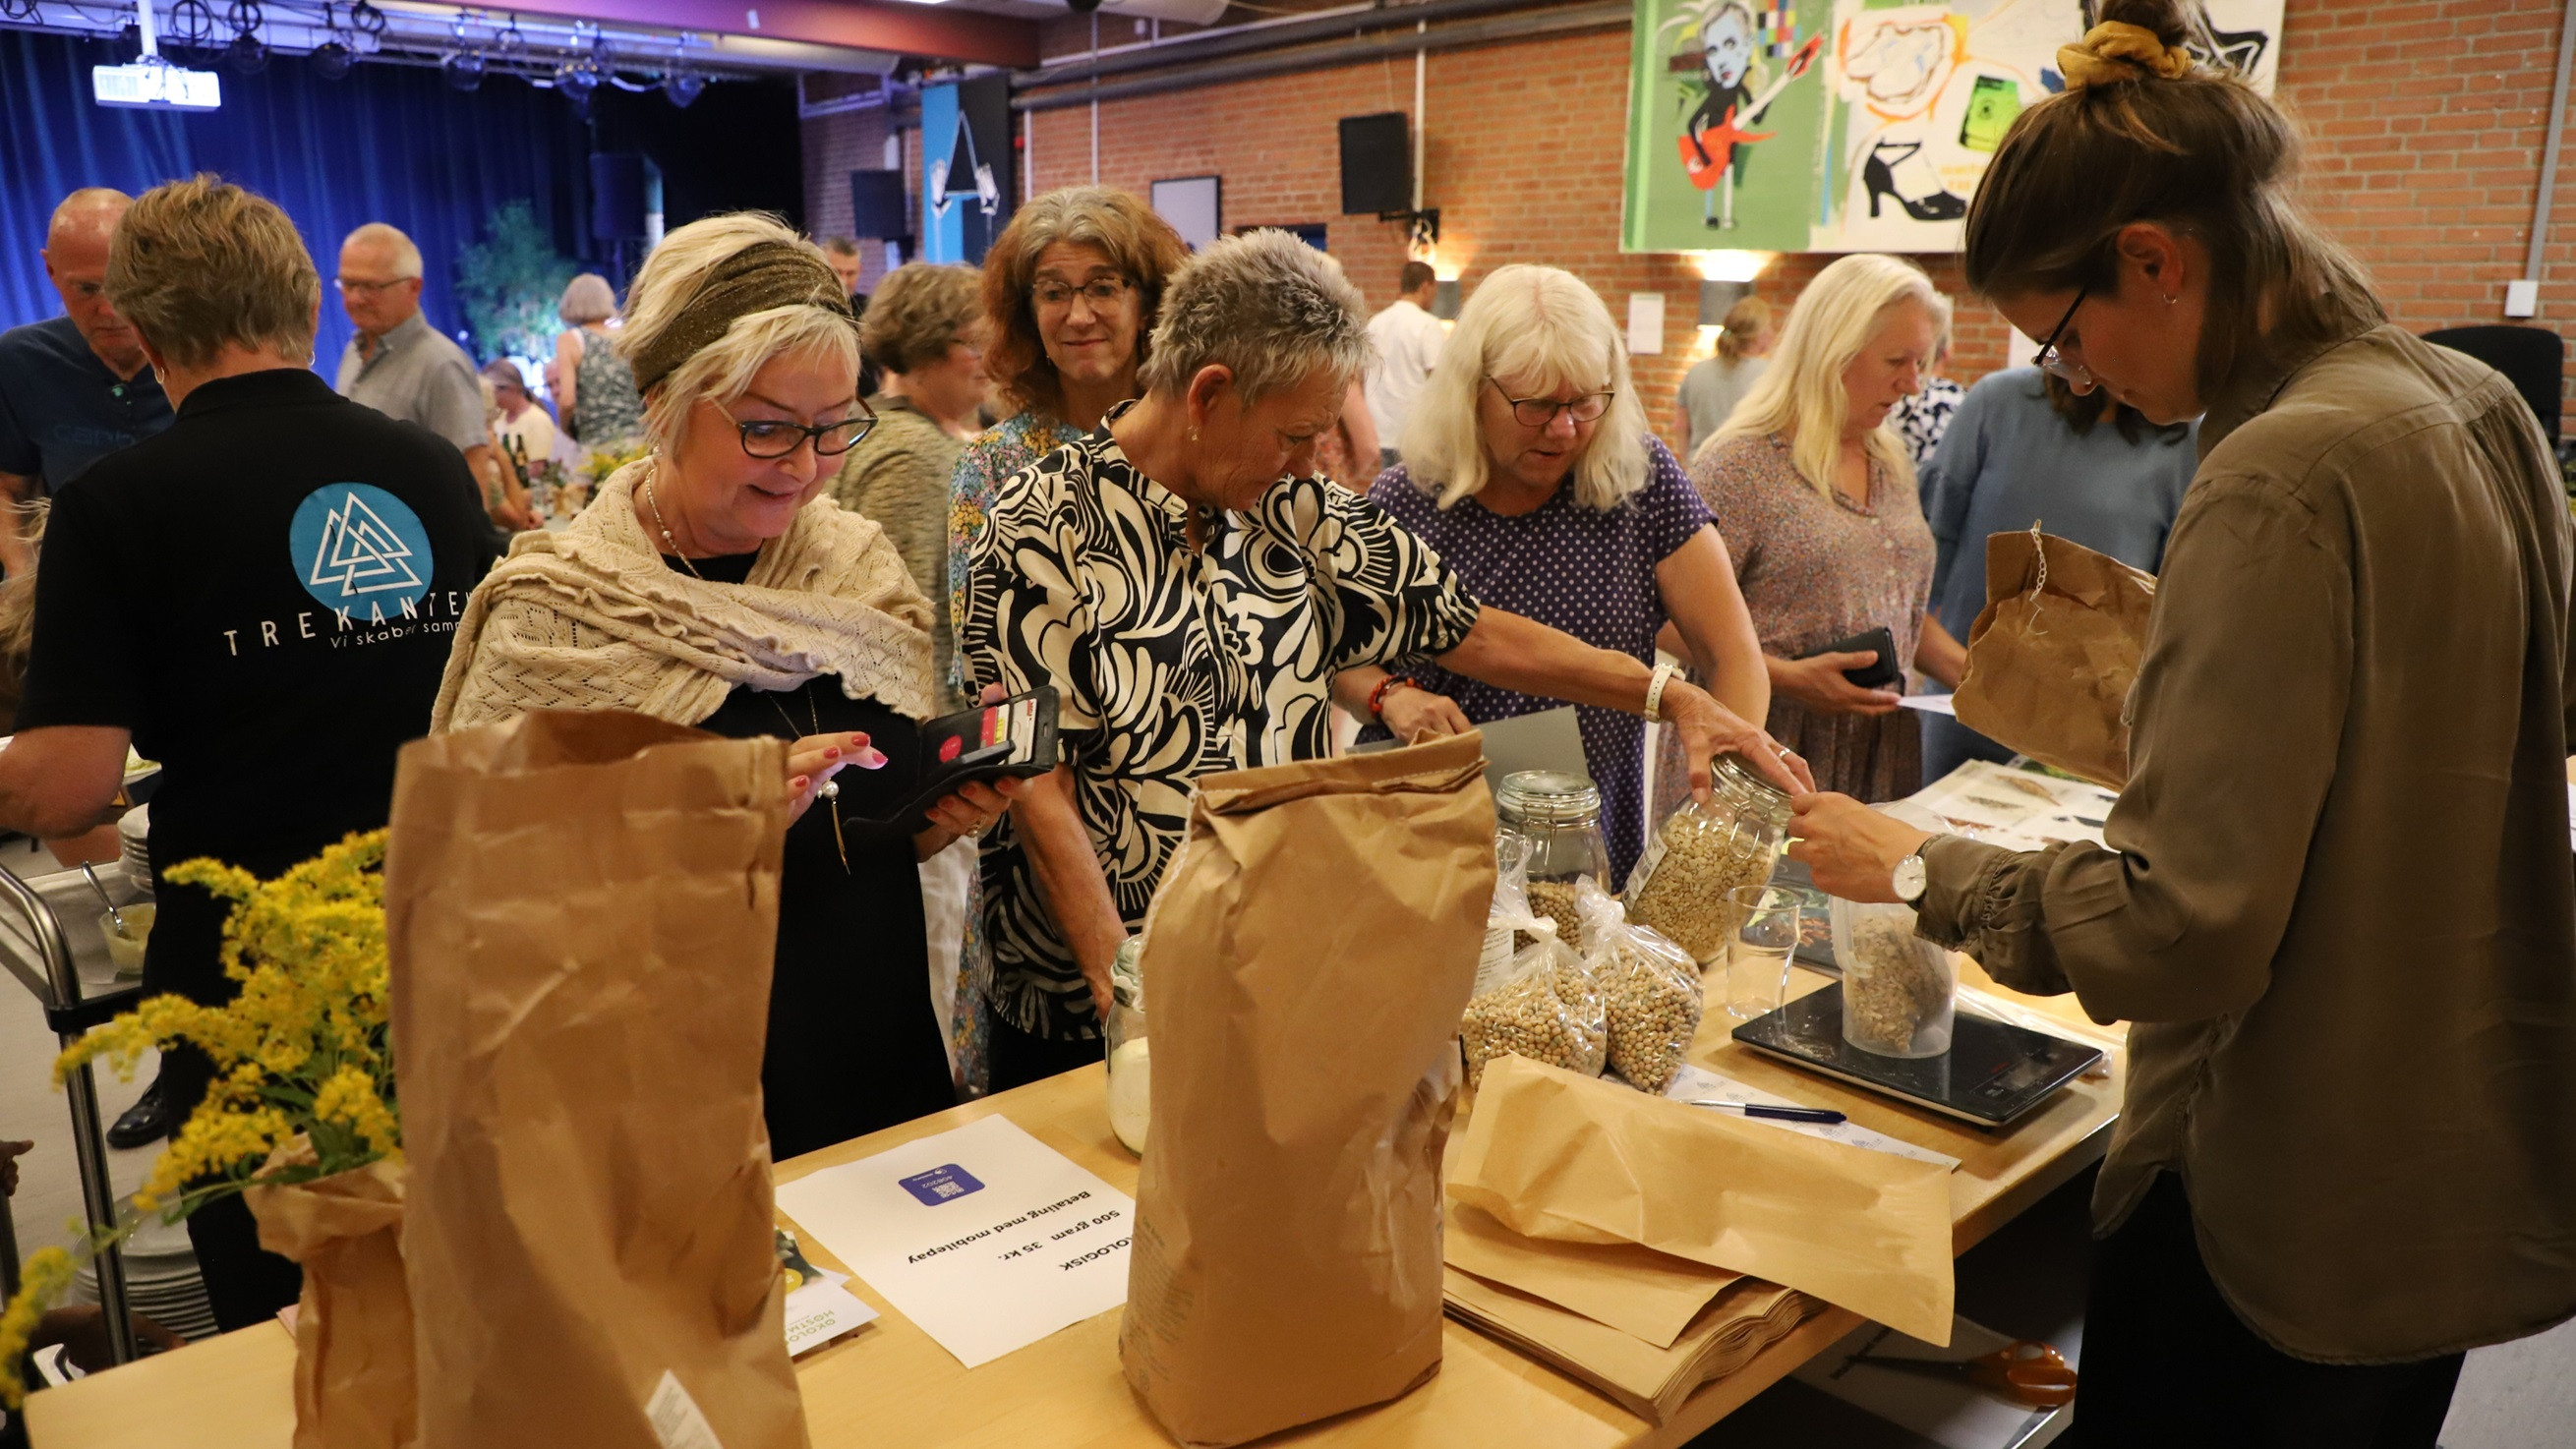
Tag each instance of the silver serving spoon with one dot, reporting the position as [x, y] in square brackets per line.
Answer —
[114, 916]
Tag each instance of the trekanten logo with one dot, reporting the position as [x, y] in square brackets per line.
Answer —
[355, 544]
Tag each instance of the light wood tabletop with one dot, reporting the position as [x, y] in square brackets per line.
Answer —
[889, 1386]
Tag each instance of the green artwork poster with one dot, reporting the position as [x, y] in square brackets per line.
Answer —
[1848, 125]
[1725, 126]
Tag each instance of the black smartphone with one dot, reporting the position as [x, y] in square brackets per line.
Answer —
[1016, 736]
[1882, 674]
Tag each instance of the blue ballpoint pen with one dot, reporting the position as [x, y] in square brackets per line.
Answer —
[1782, 1114]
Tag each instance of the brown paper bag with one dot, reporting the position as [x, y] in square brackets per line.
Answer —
[1653, 1383]
[1636, 1290]
[581, 909]
[354, 1385]
[2052, 657]
[1553, 1155]
[1308, 956]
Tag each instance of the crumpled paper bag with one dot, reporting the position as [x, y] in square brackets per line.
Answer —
[1553, 1155]
[2053, 656]
[582, 909]
[354, 1382]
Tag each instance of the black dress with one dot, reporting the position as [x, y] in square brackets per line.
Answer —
[853, 1044]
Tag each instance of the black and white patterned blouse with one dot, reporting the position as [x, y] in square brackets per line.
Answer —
[1173, 663]
[1924, 416]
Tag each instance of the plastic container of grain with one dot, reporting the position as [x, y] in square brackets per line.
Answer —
[1900, 992]
[1131, 1082]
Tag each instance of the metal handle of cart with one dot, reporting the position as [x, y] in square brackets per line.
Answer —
[58, 989]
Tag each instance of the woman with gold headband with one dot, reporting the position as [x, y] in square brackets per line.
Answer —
[710, 585]
[2335, 897]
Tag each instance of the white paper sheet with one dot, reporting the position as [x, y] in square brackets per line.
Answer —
[1645, 323]
[2016, 809]
[985, 1237]
[823, 1310]
[1931, 704]
[1699, 1082]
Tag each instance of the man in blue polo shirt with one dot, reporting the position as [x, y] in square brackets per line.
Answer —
[76, 387]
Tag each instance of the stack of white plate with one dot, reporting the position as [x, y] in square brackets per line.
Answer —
[134, 834]
[161, 1279]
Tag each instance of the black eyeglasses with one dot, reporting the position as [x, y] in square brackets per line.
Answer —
[765, 438]
[1538, 412]
[2049, 358]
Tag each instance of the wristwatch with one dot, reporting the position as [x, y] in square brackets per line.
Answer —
[1911, 879]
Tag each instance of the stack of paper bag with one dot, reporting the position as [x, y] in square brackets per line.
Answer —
[1647, 1246]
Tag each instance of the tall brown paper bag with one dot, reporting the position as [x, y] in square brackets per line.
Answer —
[581, 909]
[2052, 657]
[354, 1383]
[1308, 957]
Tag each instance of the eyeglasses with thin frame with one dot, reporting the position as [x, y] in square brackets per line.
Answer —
[1538, 412]
[770, 438]
[2049, 359]
[1101, 292]
[352, 284]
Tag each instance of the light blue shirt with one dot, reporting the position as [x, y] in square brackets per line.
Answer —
[2008, 460]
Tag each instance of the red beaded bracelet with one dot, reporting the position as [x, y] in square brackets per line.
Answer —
[1377, 696]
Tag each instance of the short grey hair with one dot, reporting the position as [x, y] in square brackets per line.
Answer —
[406, 251]
[587, 298]
[1264, 305]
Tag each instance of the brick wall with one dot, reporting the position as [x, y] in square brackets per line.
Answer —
[836, 145]
[2425, 133]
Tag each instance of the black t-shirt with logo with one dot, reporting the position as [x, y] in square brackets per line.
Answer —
[264, 595]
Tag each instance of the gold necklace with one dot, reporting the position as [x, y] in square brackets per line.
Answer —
[673, 544]
[829, 797]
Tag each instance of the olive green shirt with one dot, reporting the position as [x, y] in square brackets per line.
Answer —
[898, 475]
[2338, 904]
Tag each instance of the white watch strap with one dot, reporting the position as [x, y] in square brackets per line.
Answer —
[1655, 691]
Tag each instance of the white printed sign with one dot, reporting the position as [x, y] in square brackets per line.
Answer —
[985, 1237]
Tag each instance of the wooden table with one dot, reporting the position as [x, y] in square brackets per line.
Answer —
[890, 1385]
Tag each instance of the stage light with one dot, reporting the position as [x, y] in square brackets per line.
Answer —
[246, 55]
[683, 86]
[463, 70]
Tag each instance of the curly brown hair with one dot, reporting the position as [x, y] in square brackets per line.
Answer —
[919, 310]
[1141, 245]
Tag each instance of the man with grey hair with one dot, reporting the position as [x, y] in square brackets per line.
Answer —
[72, 388]
[399, 365]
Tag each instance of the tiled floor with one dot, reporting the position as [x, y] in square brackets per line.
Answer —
[2026, 1281]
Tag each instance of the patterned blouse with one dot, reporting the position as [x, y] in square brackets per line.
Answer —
[995, 454]
[607, 412]
[1924, 416]
[1172, 663]
[1815, 571]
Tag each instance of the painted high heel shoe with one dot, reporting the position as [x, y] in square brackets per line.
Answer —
[1879, 175]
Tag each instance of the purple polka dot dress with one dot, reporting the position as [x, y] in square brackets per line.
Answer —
[1587, 571]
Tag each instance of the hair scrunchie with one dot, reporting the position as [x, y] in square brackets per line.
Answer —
[759, 277]
[2118, 51]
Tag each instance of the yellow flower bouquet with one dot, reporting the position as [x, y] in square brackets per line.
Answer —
[300, 1114]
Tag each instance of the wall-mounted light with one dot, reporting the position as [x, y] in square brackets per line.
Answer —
[1732, 266]
[1445, 300]
[1715, 298]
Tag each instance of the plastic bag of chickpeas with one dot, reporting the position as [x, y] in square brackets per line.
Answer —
[1544, 1007]
[1649, 988]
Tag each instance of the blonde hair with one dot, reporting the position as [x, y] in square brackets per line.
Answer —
[18, 591]
[1542, 328]
[587, 298]
[1744, 322]
[1266, 307]
[199, 265]
[918, 312]
[1800, 395]
[406, 251]
[722, 370]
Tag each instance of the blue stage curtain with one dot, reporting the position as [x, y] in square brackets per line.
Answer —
[387, 143]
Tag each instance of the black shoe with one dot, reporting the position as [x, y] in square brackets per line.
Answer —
[150, 1119]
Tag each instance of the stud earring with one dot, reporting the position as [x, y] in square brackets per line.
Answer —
[2169, 301]
[1194, 435]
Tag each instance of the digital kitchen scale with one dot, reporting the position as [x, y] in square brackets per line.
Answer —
[1992, 1073]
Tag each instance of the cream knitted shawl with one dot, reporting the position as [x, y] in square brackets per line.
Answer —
[591, 618]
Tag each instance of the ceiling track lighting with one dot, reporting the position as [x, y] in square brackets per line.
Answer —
[462, 66]
[247, 54]
[191, 30]
[332, 58]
